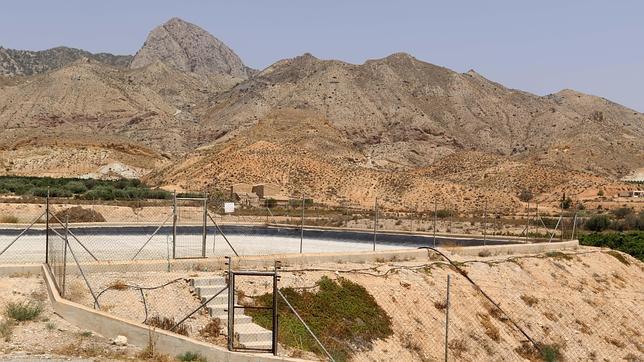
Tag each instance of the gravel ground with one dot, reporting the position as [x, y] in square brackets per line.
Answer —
[49, 336]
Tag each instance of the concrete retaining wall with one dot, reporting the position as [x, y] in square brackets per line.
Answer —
[139, 334]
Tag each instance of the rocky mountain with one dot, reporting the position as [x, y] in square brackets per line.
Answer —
[189, 48]
[25, 62]
[188, 113]
[403, 113]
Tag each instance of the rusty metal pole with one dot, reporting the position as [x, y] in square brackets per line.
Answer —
[447, 319]
[375, 223]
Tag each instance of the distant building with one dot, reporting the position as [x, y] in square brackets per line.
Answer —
[265, 191]
[634, 193]
[241, 187]
[246, 199]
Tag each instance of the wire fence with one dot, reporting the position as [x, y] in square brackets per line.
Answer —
[199, 226]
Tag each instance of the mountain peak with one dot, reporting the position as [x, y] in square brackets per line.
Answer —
[188, 47]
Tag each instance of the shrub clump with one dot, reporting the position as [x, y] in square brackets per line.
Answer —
[341, 313]
[167, 324]
[191, 356]
[23, 311]
[79, 214]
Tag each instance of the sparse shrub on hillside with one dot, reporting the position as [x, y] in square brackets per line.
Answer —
[618, 256]
[443, 213]
[76, 187]
[6, 330]
[529, 300]
[525, 195]
[622, 212]
[167, 324]
[23, 311]
[597, 223]
[79, 214]
[8, 219]
[191, 356]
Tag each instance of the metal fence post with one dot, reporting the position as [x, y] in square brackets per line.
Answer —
[65, 242]
[485, 223]
[435, 211]
[527, 223]
[375, 223]
[574, 226]
[205, 224]
[231, 303]
[47, 228]
[174, 224]
[302, 225]
[275, 310]
[447, 319]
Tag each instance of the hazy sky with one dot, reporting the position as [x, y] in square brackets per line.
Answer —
[596, 47]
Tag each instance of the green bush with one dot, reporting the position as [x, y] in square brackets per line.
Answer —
[597, 223]
[125, 189]
[191, 356]
[443, 213]
[23, 311]
[341, 313]
[76, 187]
[631, 242]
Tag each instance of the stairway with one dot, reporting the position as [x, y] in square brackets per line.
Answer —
[247, 333]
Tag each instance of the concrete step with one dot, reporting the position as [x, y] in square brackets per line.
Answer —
[239, 319]
[210, 290]
[210, 281]
[220, 299]
[246, 333]
[258, 345]
[219, 309]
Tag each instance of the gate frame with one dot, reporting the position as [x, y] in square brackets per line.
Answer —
[232, 306]
[204, 231]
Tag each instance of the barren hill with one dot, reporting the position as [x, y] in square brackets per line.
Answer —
[91, 106]
[404, 113]
[25, 62]
[189, 48]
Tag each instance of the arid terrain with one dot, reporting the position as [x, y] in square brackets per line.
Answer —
[185, 112]
[586, 304]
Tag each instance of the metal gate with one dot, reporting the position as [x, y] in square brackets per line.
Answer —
[234, 343]
[189, 227]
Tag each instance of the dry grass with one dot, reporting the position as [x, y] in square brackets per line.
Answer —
[583, 327]
[75, 291]
[150, 353]
[86, 347]
[529, 300]
[8, 219]
[118, 285]
[458, 347]
[440, 305]
[167, 324]
[619, 256]
[490, 329]
[211, 330]
[6, 330]
[615, 342]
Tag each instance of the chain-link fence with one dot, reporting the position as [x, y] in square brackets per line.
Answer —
[197, 225]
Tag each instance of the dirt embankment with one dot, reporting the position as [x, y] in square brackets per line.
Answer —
[584, 305]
